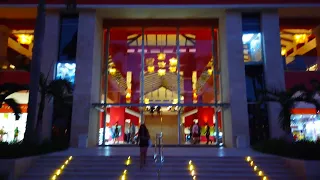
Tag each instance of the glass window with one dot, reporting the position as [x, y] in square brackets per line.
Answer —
[254, 81]
[68, 38]
[252, 48]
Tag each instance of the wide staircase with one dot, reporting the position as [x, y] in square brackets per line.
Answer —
[175, 168]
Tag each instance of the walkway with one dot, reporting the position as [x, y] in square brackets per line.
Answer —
[169, 151]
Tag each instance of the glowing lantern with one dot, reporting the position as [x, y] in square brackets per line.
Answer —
[112, 70]
[283, 51]
[150, 69]
[300, 38]
[25, 38]
[161, 72]
[172, 69]
[173, 62]
[161, 56]
[161, 64]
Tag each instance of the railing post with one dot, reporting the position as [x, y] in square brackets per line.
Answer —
[158, 152]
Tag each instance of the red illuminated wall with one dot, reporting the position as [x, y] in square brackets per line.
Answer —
[117, 115]
[18, 77]
[204, 115]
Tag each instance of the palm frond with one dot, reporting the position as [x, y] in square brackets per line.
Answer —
[14, 106]
[59, 88]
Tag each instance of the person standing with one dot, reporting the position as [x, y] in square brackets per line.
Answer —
[208, 134]
[144, 137]
[116, 134]
[132, 132]
[195, 133]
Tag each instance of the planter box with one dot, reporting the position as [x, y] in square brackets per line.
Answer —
[12, 169]
[306, 169]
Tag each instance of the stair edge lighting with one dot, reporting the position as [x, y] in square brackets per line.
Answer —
[125, 171]
[259, 172]
[192, 169]
[59, 171]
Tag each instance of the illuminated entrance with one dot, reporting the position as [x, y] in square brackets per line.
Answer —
[165, 77]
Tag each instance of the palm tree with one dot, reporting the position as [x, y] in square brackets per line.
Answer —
[287, 99]
[59, 90]
[6, 90]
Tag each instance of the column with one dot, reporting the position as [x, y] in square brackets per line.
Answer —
[85, 119]
[49, 57]
[4, 35]
[233, 82]
[273, 66]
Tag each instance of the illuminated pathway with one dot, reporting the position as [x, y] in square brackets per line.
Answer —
[59, 170]
[207, 164]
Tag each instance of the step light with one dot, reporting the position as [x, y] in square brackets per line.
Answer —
[192, 170]
[59, 171]
[256, 169]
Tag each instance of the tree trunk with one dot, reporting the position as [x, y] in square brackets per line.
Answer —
[35, 73]
[40, 117]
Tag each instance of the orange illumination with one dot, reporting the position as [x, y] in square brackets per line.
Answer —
[25, 38]
[300, 38]
[304, 111]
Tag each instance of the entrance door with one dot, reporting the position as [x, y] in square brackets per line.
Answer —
[167, 123]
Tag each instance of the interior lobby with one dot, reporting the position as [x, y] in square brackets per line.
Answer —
[184, 67]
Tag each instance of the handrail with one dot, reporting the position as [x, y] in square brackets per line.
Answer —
[158, 152]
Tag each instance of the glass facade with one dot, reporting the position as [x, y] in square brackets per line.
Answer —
[165, 77]
[255, 80]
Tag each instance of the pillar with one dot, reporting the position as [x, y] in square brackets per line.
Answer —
[49, 57]
[85, 119]
[273, 66]
[4, 35]
[233, 82]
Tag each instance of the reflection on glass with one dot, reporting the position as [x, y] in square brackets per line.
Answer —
[252, 47]
[66, 71]
[305, 127]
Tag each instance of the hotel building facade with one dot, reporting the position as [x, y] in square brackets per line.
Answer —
[167, 64]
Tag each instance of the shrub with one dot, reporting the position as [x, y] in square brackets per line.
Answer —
[20, 149]
[307, 150]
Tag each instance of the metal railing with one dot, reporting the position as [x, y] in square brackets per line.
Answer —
[158, 152]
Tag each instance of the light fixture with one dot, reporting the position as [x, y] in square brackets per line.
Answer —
[128, 95]
[175, 101]
[161, 56]
[161, 72]
[161, 64]
[210, 71]
[26, 39]
[59, 170]
[146, 101]
[255, 168]
[173, 61]
[112, 70]
[173, 69]
[283, 51]
[300, 38]
[150, 69]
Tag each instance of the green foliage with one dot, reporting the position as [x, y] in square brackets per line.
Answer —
[307, 150]
[287, 100]
[6, 90]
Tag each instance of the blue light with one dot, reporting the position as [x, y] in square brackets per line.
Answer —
[66, 71]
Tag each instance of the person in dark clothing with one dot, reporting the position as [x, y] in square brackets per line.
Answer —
[144, 137]
[208, 134]
[116, 133]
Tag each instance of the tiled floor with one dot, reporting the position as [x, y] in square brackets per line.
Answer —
[168, 151]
